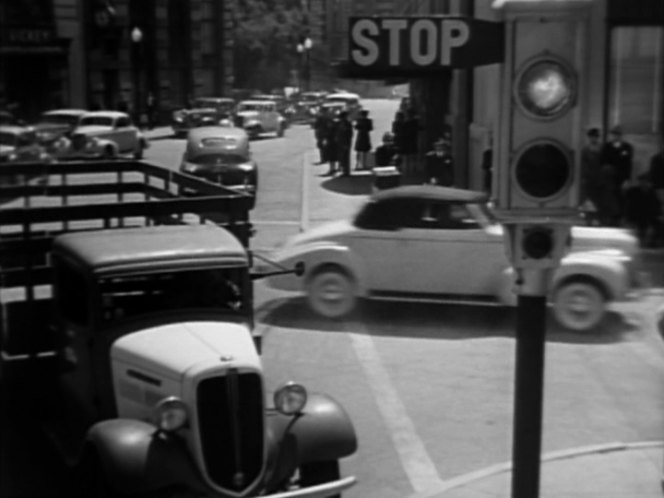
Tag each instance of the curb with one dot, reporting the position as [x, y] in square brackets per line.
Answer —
[500, 468]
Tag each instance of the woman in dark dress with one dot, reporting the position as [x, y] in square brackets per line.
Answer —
[363, 126]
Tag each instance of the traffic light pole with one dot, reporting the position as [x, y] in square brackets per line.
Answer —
[529, 382]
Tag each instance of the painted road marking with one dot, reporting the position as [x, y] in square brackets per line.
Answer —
[413, 455]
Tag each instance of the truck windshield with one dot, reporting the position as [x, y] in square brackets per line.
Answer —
[215, 289]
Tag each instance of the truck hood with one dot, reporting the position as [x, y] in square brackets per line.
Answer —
[171, 350]
[93, 129]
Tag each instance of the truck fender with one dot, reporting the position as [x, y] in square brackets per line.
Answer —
[322, 432]
[136, 457]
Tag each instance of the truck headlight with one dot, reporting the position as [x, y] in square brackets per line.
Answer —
[290, 398]
[170, 414]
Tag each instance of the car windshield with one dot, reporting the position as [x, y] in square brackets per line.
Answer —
[8, 139]
[217, 159]
[66, 119]
[250, 107]
[97, 120]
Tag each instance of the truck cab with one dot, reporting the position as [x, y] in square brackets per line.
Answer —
[133, 349]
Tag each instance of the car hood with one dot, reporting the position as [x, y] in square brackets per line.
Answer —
[247, 114]
[6, 149]
[93, 129]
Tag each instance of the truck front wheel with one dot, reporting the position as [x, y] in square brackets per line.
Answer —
[579, 304]
[315, 473]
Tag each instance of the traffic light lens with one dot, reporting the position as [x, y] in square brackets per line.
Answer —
[545, 88]
[538, 243]
[542, 170]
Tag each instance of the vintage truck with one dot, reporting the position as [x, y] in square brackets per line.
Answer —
[127, 321]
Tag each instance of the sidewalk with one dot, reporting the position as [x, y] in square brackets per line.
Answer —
[607, 471]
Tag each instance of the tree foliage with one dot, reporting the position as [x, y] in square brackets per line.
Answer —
[266, 36]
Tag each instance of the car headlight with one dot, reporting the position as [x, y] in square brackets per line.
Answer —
[12, 157]
[290, 398]
[246, 167]
[188, 167]
[170, 414]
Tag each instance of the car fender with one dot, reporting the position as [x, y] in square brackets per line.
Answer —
[102, 143]
[610, 272]
[136, 457]
[314, 256]
[322, 432]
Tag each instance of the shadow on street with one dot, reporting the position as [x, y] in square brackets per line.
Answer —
[356, 184]
[435, 321]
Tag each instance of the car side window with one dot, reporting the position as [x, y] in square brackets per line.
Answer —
[390, 214]
[122, 123]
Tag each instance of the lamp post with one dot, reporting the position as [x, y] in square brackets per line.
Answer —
[304, 49]
[136, 39]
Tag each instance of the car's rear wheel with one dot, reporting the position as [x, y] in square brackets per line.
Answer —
[315, 473]
[281, 130]
[579, 304]
[331, 292]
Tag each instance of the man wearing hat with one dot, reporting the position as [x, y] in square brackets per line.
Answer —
[618, 154]
[439, 164]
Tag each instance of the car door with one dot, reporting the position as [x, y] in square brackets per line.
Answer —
[124, 134]
[448, 251]
[378, 243]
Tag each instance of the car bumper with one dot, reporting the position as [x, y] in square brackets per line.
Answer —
[320, 491]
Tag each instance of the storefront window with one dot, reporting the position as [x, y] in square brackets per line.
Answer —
[636, 79]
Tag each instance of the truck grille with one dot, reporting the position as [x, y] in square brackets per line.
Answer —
[230, 417]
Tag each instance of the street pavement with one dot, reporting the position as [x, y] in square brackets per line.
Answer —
[614, 469]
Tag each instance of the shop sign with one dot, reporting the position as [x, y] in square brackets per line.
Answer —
[29, 36]
[415, 46]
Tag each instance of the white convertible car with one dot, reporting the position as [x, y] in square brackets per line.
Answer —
[430, 242]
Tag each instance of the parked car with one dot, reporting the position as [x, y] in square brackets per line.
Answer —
[20, 144]
[446, 243]
[350, 100]
[221, 155]
[80, 146]
[284, 106]
[117, 128]
[206, 111]
[52, 125]
[258, 117]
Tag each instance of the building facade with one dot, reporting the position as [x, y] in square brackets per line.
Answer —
[113, 54]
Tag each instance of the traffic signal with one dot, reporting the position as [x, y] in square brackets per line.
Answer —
[542, 107]
[537, 245]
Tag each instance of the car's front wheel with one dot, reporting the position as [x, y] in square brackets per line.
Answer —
[579, 304]
[331, 292]
[315, 473]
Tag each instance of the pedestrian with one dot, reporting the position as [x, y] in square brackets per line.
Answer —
[410, 143]
[364, 127]
[439, 164]
[344, 142]
[597, 183]
[617, 154]
[322, 126]
[487, 166]
[386, 152]
[331, 149]
[398, 131]
[151, 109]
[656, 171]
[643, 210]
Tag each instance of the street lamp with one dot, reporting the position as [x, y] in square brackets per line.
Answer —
[137, 38]
[304, 49]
